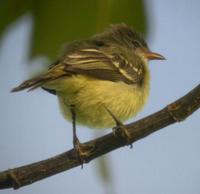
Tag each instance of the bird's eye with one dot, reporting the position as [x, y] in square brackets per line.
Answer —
[136, 43]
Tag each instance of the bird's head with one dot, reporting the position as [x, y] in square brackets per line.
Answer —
[126, 36]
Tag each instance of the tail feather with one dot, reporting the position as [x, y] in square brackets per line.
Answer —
[32, 84]
[40, 80]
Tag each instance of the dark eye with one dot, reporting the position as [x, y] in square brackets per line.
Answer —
[100, 43]
[136, 43]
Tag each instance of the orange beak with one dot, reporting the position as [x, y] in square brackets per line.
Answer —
[154, 56]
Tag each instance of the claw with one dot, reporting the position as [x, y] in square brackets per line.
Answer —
[83, 151]
[120, 130]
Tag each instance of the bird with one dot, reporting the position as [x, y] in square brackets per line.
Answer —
[101, 81]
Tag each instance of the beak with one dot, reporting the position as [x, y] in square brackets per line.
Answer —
[154, 56]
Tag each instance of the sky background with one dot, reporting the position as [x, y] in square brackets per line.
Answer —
[32, 128]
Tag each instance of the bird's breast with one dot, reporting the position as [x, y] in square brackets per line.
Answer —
[91, 96]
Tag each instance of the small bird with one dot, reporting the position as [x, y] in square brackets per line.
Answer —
[100, 82]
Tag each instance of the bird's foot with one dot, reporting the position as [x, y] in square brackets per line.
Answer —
[120, 130]
[83, 151]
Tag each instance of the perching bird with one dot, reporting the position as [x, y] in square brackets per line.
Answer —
[99, 81]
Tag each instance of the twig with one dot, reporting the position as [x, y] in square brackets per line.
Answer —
[174, 112]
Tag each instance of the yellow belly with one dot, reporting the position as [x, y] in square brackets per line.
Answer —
[91, 96]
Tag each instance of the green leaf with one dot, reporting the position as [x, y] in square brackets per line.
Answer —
[130, 12]
[10, 10]
[60, 21]
[104, 171]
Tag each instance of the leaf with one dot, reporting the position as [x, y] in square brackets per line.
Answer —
[60, 21]
[104, 171]
[131, 12]
[10, 10]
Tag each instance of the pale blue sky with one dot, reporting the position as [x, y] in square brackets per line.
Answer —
[168, 161]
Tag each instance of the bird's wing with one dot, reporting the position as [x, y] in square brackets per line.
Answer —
[96, 63]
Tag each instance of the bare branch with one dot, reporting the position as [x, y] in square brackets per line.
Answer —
[174, 112]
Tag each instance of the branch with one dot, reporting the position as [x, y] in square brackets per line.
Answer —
[174, 112]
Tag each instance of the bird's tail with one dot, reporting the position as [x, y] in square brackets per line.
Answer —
[33, 83]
